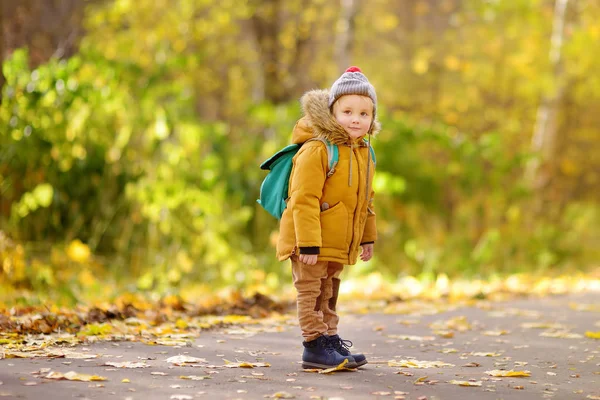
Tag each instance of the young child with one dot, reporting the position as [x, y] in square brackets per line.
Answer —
[329, 221]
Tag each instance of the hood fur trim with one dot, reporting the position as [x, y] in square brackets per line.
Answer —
[323, 123]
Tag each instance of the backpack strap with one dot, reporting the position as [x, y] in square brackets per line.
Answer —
[372, 151]
[332, 154]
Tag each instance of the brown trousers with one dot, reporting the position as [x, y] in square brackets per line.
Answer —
[317, 286]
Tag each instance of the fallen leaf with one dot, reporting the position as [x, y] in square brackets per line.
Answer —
[181, 397]
[562, 335]
[381, 393]
[412, 337]
[496, 333]
[465, 383]
[472, 364]
[194, 377]
[340, 367]
[543, 325]
[593, 335]
[511, 373]
[245, 364]
[182, 360]
[282, 395]
[519, 387]
[584, 307]
[484, 354]
[126, 364]
[125, 380]
[74, 376]
[448, 351]
[418, 364]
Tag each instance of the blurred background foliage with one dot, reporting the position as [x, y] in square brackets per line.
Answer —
[131, 134]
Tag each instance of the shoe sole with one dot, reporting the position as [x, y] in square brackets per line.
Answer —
[309, 365]
[361, 364]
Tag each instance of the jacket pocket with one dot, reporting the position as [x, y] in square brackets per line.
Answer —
[334, 227]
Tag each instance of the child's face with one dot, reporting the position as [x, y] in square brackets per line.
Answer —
[354, 113]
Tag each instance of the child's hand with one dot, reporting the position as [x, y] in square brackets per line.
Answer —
[367, 252]
[310, 259]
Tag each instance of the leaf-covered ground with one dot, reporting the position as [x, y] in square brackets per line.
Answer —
[521, 348]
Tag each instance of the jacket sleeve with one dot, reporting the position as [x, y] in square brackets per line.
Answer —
[306, 190]
[370, 232]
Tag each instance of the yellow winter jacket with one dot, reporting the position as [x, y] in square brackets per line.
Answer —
[332, 214]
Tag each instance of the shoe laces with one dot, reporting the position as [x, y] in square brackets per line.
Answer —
[341, 343]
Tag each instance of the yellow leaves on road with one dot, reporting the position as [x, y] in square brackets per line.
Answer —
[282, 395]
[194, 377]
[244, 364]
[74, 376]
[465, 383]
[562, 335]
[418, 364]
[183, 361]
[508, 374]
[585, 307]
[543, 325]
[412, 337]
[486, 354]
[500, 332]
[459, 324]
[126, 364]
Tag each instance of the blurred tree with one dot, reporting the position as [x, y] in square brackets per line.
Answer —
[145, 142]
[2, 55]
[345, 31]
[47, 28]
[544, 139]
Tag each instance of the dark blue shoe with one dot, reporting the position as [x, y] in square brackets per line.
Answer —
[320, 353]
[343, 347]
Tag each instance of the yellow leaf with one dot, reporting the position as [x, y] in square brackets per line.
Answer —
[194, 377]
[585, 307]
[562, 335]
[74, 376]
[511, 373]
[340, 367]
[593, 335]
[78, 251]
[495, 333]
[125, 380]
[465, 383]
[283, 395]
[418, 364]
[484, 354]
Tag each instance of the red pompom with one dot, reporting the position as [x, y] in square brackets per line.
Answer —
[353, 69]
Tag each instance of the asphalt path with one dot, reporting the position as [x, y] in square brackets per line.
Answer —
[544, 336]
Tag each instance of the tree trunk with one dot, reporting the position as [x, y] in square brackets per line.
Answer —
[266, 26]
[345, 34]
[2, 79]
[539, 172]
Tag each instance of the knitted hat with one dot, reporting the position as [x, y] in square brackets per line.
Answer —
[353, 81]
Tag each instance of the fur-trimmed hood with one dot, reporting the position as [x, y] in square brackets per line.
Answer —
[319, 122]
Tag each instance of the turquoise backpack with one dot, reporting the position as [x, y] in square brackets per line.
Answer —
[274, 188]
